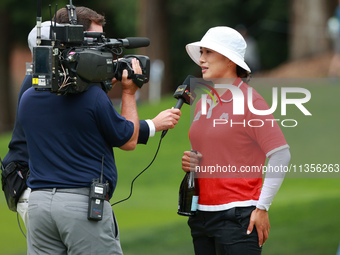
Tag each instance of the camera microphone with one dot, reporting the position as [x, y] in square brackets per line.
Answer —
[137, 42]
[183, 95]
[129, 42]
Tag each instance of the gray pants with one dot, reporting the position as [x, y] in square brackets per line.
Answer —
[58, 224]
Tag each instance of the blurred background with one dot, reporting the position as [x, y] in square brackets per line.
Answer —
[286, 39]
[278, 32]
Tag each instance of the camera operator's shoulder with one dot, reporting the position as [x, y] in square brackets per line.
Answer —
[97, 94]
[96, 90]
[29, 92]
[33, 97]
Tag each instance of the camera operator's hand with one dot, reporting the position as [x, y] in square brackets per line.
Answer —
[128, 85]
[129, 107]
[166, 119]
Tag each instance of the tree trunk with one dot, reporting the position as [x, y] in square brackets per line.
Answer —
[308, 29]
[152, 17]
[6, 111]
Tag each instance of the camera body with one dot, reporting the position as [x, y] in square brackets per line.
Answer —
[73, 60]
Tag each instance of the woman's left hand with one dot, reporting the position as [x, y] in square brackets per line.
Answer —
[260, 219]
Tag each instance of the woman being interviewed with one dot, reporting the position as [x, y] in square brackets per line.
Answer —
[232, 216]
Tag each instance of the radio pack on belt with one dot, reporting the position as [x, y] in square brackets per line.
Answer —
[97, 197]
[98, 193]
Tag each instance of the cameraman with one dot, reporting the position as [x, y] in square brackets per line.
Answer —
[66, 138]
[18, 148]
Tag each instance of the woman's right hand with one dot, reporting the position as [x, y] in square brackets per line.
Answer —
[190, 160]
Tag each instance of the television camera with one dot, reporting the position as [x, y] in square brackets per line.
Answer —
[74, 59]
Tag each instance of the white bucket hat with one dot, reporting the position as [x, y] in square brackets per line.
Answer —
[224, 40]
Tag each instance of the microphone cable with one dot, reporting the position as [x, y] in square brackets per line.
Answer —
[183, 95]
[20, 225]
[131, 188]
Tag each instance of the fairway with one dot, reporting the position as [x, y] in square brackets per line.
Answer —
[304, 216]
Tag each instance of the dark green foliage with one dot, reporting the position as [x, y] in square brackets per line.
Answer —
[267, 22]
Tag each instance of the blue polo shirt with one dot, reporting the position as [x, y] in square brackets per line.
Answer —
[67, 136]
[17, 147]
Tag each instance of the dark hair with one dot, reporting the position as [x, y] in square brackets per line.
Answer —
[243, 74]
[85, 16]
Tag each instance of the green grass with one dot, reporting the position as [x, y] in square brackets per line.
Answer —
[304, 215]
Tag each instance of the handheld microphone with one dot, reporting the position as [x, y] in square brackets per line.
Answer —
[183, 95]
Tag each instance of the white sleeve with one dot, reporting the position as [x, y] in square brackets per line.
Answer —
[275, 174]
[152, 128]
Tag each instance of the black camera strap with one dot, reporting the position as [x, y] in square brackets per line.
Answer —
[138, 79]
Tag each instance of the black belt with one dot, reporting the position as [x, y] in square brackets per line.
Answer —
[82, 191]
